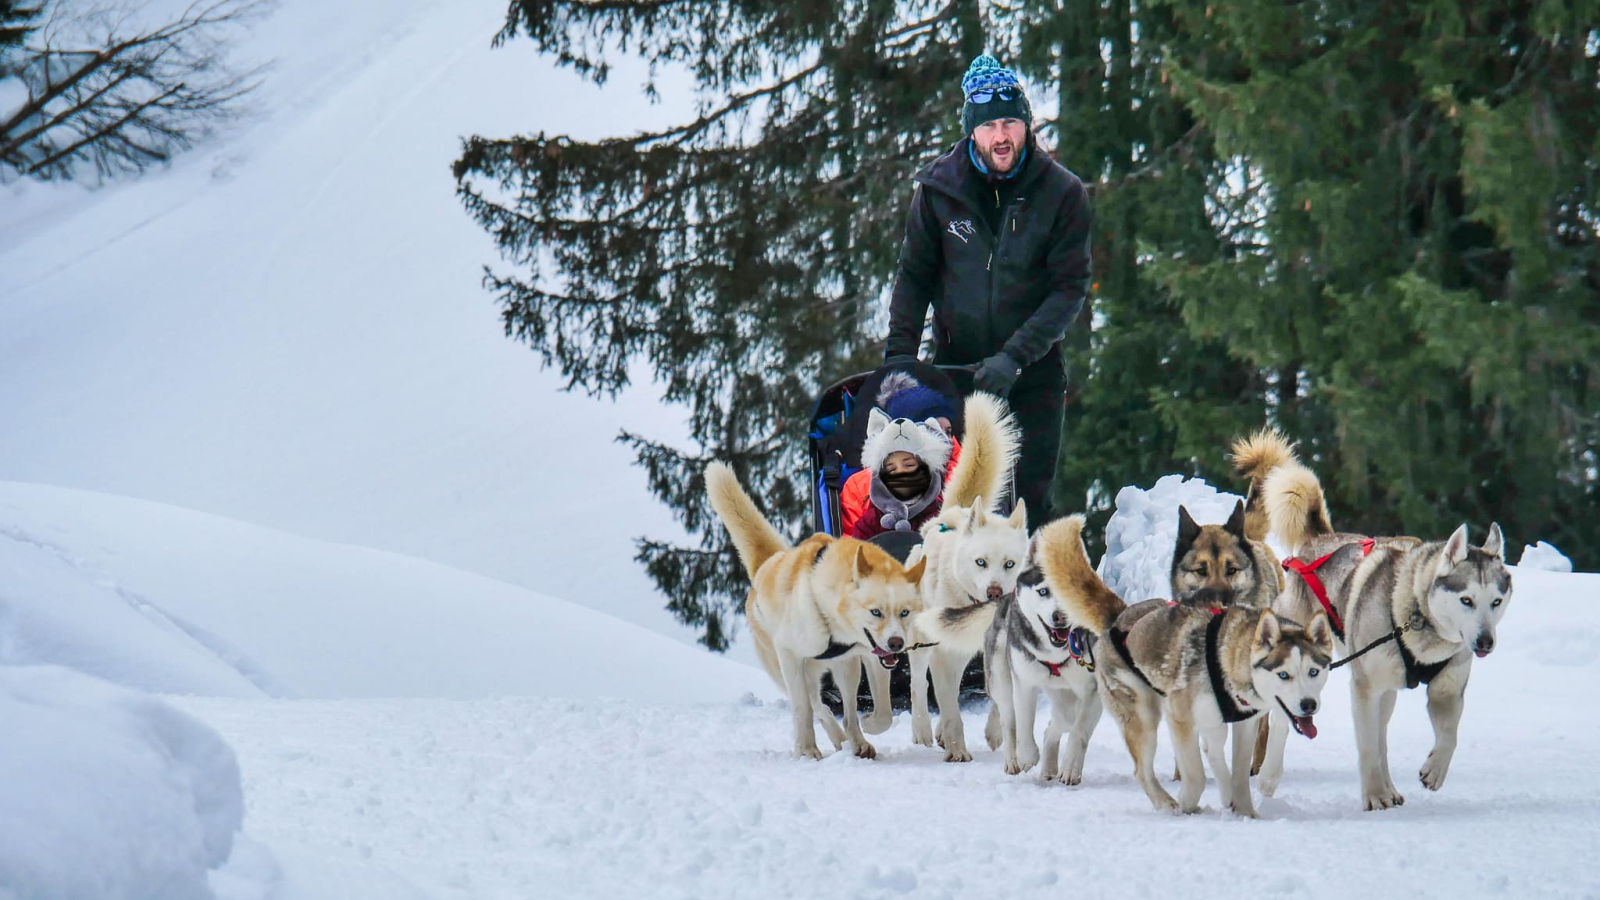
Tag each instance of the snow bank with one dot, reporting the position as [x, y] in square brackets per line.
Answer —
[1144, 529]
[1544, 557]
[171, 599]
[54, 611]
[108, 794]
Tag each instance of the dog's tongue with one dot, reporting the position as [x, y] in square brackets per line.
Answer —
[1306, 726]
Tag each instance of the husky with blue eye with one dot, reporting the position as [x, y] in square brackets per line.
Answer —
[1030, 644]
[1421, 612]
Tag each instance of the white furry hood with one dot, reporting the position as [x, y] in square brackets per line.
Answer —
[924, 440]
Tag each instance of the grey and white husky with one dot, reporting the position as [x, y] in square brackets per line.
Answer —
[1201, 670]
[1030, 644]
[1424, 610]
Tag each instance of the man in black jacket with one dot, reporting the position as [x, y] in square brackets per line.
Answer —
[997, 243]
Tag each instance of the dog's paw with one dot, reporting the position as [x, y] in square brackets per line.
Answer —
[1433, 772]
[1028, 756]
[1383, 800]
[878, 723]
[991, 732]
[810, 752]
[1012, 766]
[923, 736]
[1268, 783]
[1245, 809]
[957, 753]
[1070, 778]
[1164, 802]
[865, 750]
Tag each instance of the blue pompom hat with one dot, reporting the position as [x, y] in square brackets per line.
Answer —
[1007, 100]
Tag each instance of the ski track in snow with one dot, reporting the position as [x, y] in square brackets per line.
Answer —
[516, 798]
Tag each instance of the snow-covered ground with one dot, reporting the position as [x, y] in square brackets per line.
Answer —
[406, 730]
[378, 580]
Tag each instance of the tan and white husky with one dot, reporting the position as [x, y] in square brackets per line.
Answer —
[830, 603]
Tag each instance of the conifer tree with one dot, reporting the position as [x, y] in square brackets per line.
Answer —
[1147, 397]
[742, 254]
[1423, 292]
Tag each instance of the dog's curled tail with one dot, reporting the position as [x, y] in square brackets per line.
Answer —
[958, 627]
[753, 536]
[1066, 566]
[1253, 458]
[1295, 506]
[987, 454]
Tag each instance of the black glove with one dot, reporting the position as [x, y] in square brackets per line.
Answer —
[997, 374]
[898, 358]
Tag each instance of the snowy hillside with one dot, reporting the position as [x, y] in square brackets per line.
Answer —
[166, 599]
[287, 327]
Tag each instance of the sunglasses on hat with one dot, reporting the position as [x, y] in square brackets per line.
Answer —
[987, 94]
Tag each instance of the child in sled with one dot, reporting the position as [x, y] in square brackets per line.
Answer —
[908, 455]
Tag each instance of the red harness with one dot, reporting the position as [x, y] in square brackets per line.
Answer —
[1308, 571]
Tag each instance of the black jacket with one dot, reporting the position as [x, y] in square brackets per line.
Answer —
[1017, 290]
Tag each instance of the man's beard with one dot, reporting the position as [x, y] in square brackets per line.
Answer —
[990, 163]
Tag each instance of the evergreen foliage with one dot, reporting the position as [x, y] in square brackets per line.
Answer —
[1147, 397]
[1425, 279]
[741, 254]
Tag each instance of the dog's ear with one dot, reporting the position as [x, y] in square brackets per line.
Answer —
[1495, 543]
[877, 420]
[973, 520]
[1320, 631]
[1187, 529]
[914, 574]
[1019, 516]
[1455, 549]
[863, 565]
[1235, 525]
[1269, 631]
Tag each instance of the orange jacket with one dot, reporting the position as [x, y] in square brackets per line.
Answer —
[855, 499]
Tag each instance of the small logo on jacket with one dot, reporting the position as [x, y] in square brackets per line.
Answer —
[962, 228]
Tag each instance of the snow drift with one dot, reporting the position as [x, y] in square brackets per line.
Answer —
[173, 600]
[108, 794]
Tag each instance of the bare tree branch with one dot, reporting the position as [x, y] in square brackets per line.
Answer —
[103, 93]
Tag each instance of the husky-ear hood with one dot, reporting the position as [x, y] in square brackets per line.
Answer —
[924, 440]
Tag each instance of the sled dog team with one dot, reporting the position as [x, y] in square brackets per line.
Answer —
[1239, 647]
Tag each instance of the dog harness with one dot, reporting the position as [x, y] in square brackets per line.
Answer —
[1308, 571]
[1416, 673]
[1119, 643]
[1078, 646]
[1233, 707]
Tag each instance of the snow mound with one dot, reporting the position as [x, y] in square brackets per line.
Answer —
[1144, 529]
[1544, 557]
[170, 599]
[108, 794]
[54, 611]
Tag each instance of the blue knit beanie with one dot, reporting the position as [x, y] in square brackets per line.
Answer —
[919, 404]
[986, 74]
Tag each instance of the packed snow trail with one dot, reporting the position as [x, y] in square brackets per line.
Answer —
[526, 797]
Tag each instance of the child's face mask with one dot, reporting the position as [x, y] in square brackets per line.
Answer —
[907, 485]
